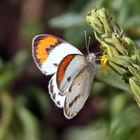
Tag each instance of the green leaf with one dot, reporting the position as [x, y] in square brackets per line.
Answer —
[123, 124]
[19, 62]
[135, 86]
[96, 131]
[6, 78]
[12, 69]
[117, 104]
[98, 87]
[36, 98]
[30, 126]
[66, 20]
[78, 31]
[6, 114]
[135, 135]
[133, 22]
[112, 78]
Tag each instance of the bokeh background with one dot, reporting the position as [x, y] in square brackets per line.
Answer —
[26, 110]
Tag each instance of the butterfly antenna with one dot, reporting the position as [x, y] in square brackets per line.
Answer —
[87, 43]
[99, 53]
[89, 39]
[98, 58]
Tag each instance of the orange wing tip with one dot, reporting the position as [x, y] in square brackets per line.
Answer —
[40, 50]
[42, 55]
[42, 44]
[47, 42]
[104, 61]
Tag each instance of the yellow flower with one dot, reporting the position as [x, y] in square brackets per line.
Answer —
[104, 61]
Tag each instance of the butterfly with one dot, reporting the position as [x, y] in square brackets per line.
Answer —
[72, 72]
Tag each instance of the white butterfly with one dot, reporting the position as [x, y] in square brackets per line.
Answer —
[73, 73]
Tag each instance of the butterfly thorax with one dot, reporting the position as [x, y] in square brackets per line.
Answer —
[91, 58]
[91, 62]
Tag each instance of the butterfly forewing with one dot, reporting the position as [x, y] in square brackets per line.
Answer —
[69, 67]
[78, 92]
[48, 51]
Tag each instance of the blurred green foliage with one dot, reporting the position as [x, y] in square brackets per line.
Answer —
[117, 129]
[28, 113]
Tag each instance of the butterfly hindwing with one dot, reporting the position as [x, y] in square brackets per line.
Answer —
[48, 51]
[68, 68]
[55, 94]
[78, 92]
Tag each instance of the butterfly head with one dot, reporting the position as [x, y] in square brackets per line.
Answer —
[91, 57]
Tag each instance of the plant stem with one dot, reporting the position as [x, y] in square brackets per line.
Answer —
[120, 52]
